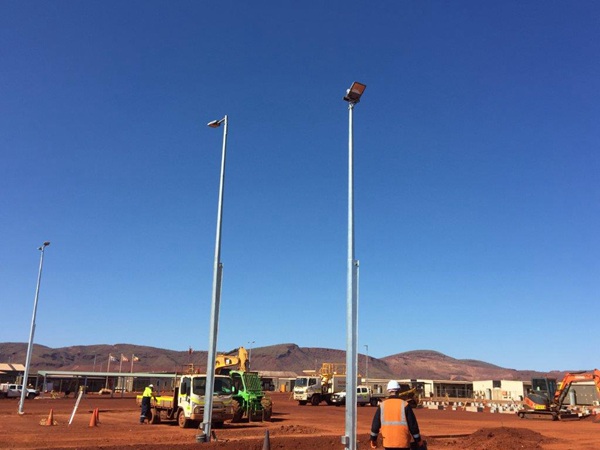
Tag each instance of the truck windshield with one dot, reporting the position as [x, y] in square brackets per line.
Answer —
[301, 382]
[222, 386]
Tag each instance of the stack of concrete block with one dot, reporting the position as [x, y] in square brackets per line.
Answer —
[474, 408]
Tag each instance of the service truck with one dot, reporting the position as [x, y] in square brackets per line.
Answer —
[186, 405]
[13, 390]
[318, 386]
[366, 396]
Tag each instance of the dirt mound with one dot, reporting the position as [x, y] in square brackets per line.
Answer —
[503, 438]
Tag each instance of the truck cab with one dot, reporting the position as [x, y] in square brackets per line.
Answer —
[306, 389]
[190, 399]
[315, 389]
[186, 405]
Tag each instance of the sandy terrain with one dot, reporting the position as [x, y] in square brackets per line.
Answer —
[292, 427]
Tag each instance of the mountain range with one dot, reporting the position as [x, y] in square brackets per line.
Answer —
[423, 364]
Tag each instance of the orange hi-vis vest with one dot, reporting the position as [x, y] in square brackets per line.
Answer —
[394, 427]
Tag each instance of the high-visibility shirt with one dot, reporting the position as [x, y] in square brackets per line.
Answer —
[147, 392]
[394, 427]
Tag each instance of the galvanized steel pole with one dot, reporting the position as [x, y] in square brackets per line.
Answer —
[351, 301]
[216, 297]
[32, 330]
[349, 439]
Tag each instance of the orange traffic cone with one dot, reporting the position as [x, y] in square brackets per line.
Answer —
[50, 419]
[93, 421]
[97, 413]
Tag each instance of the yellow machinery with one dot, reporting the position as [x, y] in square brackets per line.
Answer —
[225, 363]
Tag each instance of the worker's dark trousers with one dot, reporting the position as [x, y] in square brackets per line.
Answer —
[145, 409]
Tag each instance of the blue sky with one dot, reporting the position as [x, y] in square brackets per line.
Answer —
[476, 174]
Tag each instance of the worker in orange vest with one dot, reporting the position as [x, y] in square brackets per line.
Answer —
[396, 421]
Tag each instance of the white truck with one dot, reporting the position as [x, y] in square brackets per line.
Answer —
[364, 396]
[13, 390]
[186, 405]
[318, 386]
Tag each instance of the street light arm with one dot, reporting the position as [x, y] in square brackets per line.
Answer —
[216, 123]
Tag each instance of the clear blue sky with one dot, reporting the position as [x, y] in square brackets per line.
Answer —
[477, 188]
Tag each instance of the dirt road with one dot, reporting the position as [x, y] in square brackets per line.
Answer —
[292, 427]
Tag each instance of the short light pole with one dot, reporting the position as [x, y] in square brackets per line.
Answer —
[250, 353]
[349, 439]
[32, 330]
[216, 294]
[367, 363]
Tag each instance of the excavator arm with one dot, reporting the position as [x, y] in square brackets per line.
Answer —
[225, 363]
[570, 378]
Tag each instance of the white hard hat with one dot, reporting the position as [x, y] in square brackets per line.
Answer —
[150, 385]
[393, 385]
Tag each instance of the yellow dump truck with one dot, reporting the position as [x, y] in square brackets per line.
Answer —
[186, 405]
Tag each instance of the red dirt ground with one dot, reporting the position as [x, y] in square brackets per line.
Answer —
[293, 427]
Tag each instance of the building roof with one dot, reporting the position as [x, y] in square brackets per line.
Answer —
[277, 374]
[12, 367]
[69, 373]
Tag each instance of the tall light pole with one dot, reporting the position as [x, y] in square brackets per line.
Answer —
[32, 330]
[349, 439]
[367, 363]
[216, 294]
[250, 354]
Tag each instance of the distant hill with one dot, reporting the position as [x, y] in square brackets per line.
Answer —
[426, 364]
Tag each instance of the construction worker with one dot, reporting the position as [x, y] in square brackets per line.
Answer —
[146, 396]
[397, 422]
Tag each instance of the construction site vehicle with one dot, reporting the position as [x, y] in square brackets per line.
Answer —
[366, 396]
[546, 400]
[224, 363]
[186, 405]
[248, 398]
[321, 385]
[12, 390]
[363, 396]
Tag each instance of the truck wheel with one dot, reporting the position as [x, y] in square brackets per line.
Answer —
[31, 396]
[238, 411]
[183, 421]
[315, 400]
[521, 415]
[302, 402]
[154, 416]
[217, 425]
[373, 402]
[267, 406]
